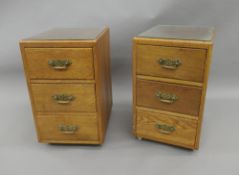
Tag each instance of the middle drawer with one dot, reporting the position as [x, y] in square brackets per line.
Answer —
[170, 97]
[64, 97]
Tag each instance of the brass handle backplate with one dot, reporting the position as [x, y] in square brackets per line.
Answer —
[166, 97]
[59, 64]
[169, 64]
[165, 129]
[63, 98]
[67, 129]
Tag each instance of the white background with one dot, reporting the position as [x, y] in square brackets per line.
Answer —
[122, 153]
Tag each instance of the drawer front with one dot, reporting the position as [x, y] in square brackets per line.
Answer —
[65, 127]
[166, 128]
[168, 97]
[64, 97]
[59, 63]
[171, 62]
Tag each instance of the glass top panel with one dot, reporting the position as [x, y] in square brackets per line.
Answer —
[179, 32]
[68, 34]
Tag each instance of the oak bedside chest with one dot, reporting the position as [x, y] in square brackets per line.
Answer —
[69, 80]
[170, 74]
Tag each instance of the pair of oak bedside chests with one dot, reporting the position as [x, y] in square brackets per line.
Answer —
[68, 74]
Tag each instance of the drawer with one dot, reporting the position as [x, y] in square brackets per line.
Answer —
[59, 63]
[65, 127]
[64, 97]
[168, 97]
[171, 62]
[166, 128]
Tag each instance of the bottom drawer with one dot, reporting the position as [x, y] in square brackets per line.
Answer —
[67, 128]
[166, 128]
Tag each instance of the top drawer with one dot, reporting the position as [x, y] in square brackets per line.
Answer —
[59, 63]
[171, 62]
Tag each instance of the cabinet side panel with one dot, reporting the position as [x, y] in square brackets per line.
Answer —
[103, 82]
[134, 87]
[205, 82]
[108, 70]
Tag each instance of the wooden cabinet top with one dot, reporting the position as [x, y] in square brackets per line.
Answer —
[179, 32]
[69, 34]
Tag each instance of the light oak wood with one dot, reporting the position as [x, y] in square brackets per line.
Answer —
[204, 91]
[174, 42]
[169, 113]
[184, 134]
[49, 127]
[191, 68]
[103, 81]
[67, 43]
[168, 80]
[134, 96]
[92, 86]
[188, 101]
[84, 97]
[191, 84]
[62, 81]
[81, 63]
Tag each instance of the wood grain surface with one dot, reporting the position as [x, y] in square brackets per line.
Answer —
[188, 101]
[88, 79]
[188, 82]
[82, 66]
[49, 127]
[185, 129]
[84, 95]
[191, 68]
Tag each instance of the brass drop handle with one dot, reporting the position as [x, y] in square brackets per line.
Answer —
[166, 97]
[165, 129]
[169, 64]
[63, 98]
[67, 129]
[59, 64]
